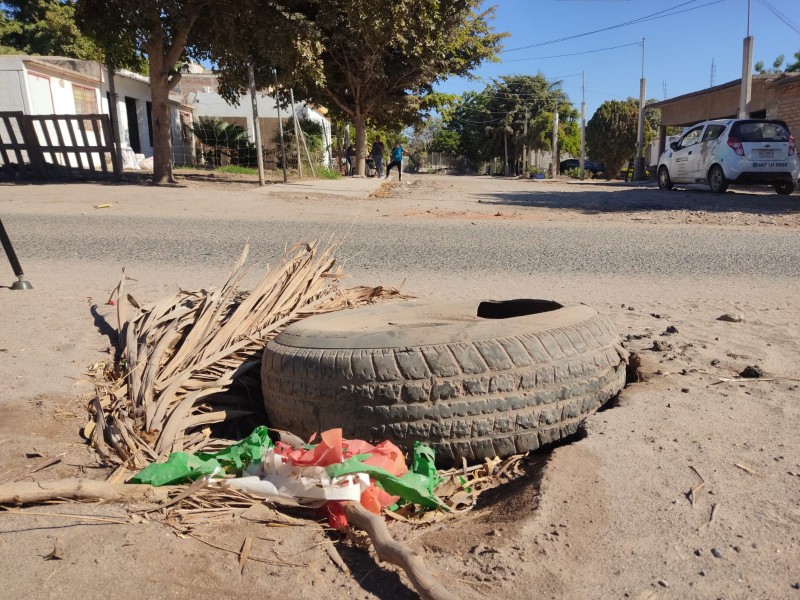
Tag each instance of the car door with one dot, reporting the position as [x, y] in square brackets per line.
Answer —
[706, 150]
[683, 156]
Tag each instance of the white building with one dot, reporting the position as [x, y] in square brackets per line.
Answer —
[51, 85]
[199, 90]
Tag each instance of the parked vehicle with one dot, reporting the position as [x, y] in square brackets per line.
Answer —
[725, 151]
[575, 163]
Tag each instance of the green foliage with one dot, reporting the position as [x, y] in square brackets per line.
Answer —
[380, 63]
[516, 110]
[44, 27]
[792, 67]
[574, 173]
[324, 172]
[312, 134]
[611, 134]
[220, 137]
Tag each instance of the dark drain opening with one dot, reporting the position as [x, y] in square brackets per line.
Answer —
[508, 309]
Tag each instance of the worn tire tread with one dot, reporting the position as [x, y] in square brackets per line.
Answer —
[472, 400]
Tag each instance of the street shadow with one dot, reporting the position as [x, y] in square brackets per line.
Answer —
[106, 329]
[384, 584]
[624, 198]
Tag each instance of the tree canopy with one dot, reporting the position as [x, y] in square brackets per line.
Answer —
[514, 111]
[44, 27]
[793, 67]
[611, 134]
[380, 63]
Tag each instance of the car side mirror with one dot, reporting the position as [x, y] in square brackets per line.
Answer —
[675, 146]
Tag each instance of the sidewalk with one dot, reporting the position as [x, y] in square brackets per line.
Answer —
[352, 187]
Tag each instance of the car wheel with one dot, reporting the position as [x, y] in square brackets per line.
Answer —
[473, 380]
[785, 188]
[717, 180]
[664, 181]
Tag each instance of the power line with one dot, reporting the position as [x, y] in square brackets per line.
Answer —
[781, 16]
[651, 17]
[573, 53]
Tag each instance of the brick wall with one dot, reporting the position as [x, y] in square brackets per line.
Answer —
[787, 105]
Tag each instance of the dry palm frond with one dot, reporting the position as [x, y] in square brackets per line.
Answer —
[181, 355]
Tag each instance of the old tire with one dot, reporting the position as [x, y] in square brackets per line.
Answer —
[717, 180]
[474, 380]
[664, 180]
[785, 188]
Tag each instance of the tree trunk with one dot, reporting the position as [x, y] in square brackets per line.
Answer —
[162, 130]
[163, 52]
[359, 121]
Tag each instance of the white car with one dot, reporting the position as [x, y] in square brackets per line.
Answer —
[732, 151]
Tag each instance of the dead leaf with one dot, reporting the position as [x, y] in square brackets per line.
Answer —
[102, 205]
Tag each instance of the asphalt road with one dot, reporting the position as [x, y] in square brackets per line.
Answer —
[447, 247]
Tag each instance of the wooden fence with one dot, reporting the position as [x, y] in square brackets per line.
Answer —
[57, 147]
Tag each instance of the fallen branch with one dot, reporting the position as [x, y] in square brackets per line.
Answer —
[390, 550]
[38, 492]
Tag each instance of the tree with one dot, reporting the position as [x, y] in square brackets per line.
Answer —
[221, 137]
[380, 63]
[777, 64]
[44, 27]
[514, 112]
[611, 134]
[160, 30]
[171, 32]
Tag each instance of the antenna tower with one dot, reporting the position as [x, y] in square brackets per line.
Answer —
[713, 72]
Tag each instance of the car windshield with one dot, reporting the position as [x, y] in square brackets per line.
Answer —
[760, 131]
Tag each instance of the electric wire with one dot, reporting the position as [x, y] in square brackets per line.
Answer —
[651, 17]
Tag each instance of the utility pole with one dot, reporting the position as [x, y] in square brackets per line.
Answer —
[638, 164]
[506, 170]
[555, 140]
[256, 124]
[525, 144]
[747, 71]
[280, 127]
[296, 134]
[583, 123]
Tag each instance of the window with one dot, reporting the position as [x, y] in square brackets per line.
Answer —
[85, 100]
[691, 138]
[713, 132]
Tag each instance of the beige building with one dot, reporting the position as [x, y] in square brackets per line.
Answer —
[774, 96]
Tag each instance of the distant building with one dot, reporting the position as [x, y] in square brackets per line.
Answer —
[200, 91]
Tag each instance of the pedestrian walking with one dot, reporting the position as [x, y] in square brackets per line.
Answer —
[351, 160]
[397, 160]
[377, 156]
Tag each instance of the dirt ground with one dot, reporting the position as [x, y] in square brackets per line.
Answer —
[612, 515]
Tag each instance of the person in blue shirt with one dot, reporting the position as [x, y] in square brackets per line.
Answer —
[397, 161]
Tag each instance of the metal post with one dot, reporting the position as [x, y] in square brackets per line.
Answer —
[20, 284]
[296, 134]
[525, 144]
[638, 163]
[256, 125]
[280, 127]
[583, 124]
[555, 141]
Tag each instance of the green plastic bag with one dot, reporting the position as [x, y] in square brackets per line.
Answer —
[182, 467]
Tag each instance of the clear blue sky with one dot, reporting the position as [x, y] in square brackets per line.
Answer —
[679, 49]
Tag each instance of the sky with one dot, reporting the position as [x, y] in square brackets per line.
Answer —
[679, 47]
